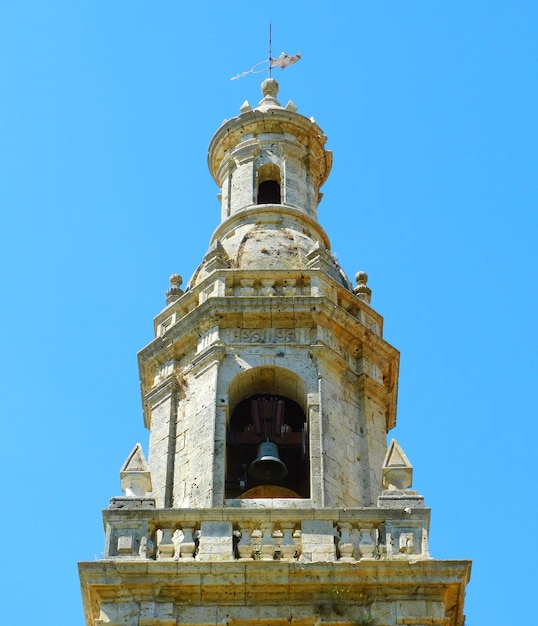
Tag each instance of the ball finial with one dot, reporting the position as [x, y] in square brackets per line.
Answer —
[362, 291]
[361, 277]
[270, 88]
[176, 280]
[174, 292]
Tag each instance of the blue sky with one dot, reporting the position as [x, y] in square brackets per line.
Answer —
[106, 112]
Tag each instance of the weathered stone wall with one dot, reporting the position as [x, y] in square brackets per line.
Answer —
[428, 593]
[195, 447]
[340, 425]
[163, 405]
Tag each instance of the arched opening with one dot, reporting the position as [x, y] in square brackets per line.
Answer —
[269, 192]
[267, 432]
[269, 185]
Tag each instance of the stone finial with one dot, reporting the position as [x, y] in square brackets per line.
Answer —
[270, 92]
[245, 107]
[397, 473]
[270, 88]
[362, 292]
[135, 475]
[174, 292]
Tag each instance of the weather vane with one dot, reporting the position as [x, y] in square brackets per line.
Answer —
[283, 61]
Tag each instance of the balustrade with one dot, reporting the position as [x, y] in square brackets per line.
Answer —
[266, 534]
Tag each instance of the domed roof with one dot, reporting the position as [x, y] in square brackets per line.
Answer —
[265, 246]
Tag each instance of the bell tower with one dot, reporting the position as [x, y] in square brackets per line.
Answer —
[269, 495]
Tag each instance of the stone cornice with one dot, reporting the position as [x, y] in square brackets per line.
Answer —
[266, 584]
[268, 213]
[225, 309]
[236, 311]
[348, 300]
[279, 121]
[265, 511]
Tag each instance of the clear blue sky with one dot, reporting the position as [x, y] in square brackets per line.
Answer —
[106, 112]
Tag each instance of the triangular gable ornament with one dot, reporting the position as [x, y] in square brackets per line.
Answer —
[397, 473]
[135, 475]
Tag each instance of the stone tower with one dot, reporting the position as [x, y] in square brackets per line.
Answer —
[269, 496]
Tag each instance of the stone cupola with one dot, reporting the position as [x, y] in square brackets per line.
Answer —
[269, 163]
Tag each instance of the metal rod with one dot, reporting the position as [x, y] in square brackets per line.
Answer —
[270, 50]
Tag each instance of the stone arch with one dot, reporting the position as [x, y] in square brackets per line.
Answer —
[267, 380]
[268, 386]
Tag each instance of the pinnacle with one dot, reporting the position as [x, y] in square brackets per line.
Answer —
[269, 89]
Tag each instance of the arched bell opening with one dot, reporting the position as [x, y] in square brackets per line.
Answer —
[267, 449]
[268, 185]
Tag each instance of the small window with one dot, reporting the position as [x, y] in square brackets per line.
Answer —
[268, 184]
[269, 192]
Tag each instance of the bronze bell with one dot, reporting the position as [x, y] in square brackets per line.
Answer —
[267, 466]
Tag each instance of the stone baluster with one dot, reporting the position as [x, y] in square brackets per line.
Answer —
[165, 543]
[247, 287]
[297, 540]
[187, 545]
[345, 544]
[147, 549]
[267, 287]
[278, 535]
[367, 544]
[267, 545]
[288, 287]
[288, 547]
[256, 542]
[245, 548]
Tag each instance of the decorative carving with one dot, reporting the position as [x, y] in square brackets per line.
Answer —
[406, 543]
[208, 338]
[252, 335]
[125, 544]
[284, 335]
[166, 325]
[165, 370]
[135, 475]
[397, 471]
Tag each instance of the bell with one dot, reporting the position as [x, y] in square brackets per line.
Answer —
[267, 466]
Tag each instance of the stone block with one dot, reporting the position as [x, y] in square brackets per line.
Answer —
[216, 541]
[317, 541]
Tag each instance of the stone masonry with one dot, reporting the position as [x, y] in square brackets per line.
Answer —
[269, 342]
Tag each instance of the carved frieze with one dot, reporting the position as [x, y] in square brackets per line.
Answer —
[266, 335]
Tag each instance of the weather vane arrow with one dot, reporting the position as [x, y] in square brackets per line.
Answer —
[283, 61]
